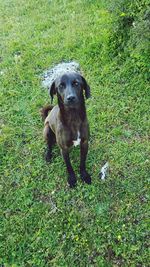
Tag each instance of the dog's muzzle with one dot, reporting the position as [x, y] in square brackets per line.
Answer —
[71, 100]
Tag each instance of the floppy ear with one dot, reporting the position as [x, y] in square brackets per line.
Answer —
[86, 87]
[52, 91]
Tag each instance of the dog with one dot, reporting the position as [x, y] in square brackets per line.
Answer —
[66, 123]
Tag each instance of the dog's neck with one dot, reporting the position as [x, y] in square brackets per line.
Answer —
[72, 114]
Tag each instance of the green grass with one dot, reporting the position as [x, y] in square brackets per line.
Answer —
[44, 223]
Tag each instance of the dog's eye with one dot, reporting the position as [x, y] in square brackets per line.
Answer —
[75, 83]
[61, 86]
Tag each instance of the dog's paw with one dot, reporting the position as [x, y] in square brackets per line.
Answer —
[48, 156]
[72, 180]
[85, 177]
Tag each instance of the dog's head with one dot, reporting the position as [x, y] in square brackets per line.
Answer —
[69, 89]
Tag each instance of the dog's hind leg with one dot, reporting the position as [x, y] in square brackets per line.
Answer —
[71, 175]
[50, 139]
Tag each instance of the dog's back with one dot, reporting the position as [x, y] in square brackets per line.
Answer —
[52, 118]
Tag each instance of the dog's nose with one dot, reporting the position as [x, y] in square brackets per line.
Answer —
[71, 98]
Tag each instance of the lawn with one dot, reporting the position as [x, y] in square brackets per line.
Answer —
[43, 222]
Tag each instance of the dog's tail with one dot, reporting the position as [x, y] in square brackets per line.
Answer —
[44, 111]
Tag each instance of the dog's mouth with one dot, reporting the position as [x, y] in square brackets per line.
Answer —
[72, 105]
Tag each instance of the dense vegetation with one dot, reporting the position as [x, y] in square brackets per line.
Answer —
[44, 223]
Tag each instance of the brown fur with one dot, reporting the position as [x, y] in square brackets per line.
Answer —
[65, 125]
[73, 124]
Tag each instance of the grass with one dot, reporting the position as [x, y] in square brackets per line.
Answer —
[44, 223]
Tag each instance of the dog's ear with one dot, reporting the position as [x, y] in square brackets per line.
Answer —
[52, 91]
[86, 87]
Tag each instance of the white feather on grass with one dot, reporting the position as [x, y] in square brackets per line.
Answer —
[104, 171]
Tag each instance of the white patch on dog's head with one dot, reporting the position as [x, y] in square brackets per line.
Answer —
[52, 74]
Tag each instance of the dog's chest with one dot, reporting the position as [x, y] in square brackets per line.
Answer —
[78, 140]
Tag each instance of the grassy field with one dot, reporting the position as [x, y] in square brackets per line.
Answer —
[44, 223]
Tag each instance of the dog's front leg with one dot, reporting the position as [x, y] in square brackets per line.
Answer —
[71, 175]
[83, 154]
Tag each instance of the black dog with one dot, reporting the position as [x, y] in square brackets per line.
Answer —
[67, 122]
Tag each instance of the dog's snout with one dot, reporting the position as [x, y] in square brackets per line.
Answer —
[71, 98]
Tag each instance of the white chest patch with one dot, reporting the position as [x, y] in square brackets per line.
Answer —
[77, 142]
